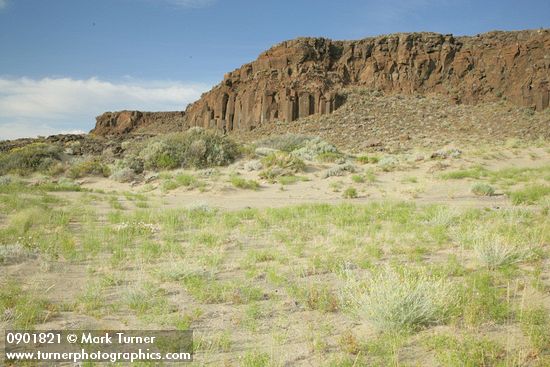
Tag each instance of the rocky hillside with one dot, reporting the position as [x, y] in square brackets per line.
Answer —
[372, 120]
[305, 77]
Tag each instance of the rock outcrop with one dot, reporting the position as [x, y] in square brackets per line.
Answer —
[124, 122]
[303, 77]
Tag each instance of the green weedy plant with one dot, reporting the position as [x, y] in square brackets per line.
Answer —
[196, 147]
[397, 300]
[483, 189]
[35, 157]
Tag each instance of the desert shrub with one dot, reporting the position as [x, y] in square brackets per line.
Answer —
[483, 189]
[529, 195]
[5, 180]
[286, 143]
[339, 170]
[316, 147]
[350, 193]
[397, 300]
[196, 147]
[242, 183]
[90, 167]
[264, 151]
[388, 163]
[36, 157]
[253, 165]
[123, 175]
[134, 162]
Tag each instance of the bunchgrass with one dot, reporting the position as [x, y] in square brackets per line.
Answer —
[399, 300]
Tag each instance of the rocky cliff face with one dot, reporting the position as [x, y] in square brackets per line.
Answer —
[302, 77]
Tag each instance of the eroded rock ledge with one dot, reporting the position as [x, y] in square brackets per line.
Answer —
[302, 77]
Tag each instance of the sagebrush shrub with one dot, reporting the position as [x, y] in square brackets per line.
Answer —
[90, 167]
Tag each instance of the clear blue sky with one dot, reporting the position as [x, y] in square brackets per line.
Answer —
[160, 54]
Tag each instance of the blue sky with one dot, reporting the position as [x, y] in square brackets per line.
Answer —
[62, 62]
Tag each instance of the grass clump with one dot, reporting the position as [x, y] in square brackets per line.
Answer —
[243, 183]
[35, 157]
[483, 189]
[256, 359]
[350, 193]
[182, 179]
[494, 253]
[196, 147]
[358, 178]
[399, 300]
[316, 297]
[365, 159]
[529, 195]
[476, 172]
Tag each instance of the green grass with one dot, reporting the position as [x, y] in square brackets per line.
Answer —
[23, 309]
[481, 300]
[358, 178]
[290, 179]
[243, 183]
[535, 323]
[529, 195]
[466, 351]
[208, 290]
[476, 172]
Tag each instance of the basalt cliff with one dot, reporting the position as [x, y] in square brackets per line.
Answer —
[303, 77]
